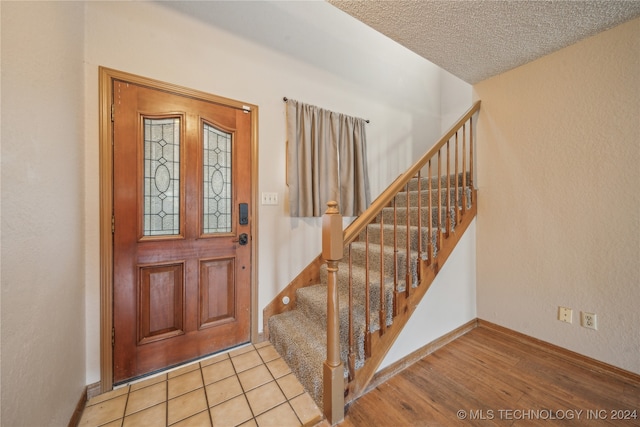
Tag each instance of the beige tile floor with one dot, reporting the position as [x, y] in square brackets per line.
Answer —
[250, 386]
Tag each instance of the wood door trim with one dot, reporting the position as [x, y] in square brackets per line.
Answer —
[106, 77]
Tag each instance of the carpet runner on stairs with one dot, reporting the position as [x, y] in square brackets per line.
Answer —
[300, 335]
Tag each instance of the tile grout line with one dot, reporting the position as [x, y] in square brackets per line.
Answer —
[244, 393]
[287, 400]
[206, 396]
[124, 411]
[166, 406]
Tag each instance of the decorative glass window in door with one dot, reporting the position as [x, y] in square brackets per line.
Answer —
[217, 180]
[161, 177]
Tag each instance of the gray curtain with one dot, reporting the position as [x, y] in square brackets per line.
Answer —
[326, 160]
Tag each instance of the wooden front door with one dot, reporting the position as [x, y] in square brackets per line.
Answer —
[181, 228]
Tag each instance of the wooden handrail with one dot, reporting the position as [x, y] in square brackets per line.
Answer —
[359, 224]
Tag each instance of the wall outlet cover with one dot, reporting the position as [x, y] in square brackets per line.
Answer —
[565, 314]
[589, 320]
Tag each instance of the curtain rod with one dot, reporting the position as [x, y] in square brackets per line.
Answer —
[285, 99]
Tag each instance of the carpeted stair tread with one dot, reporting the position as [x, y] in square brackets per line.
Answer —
[302, 344]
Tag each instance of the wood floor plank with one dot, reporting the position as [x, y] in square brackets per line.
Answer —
[497, 391]
[488, 378]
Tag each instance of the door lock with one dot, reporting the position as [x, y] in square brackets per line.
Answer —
[244, 214]
[243, 239]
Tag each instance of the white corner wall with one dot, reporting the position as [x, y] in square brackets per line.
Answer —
[43, 330]
[456, 98]
[559, 211]
[258, 52]
[449, 303]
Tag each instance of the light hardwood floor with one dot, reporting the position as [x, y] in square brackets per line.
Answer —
[491, 378]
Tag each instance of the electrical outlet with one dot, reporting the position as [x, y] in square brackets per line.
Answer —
[589, 320]
[565, 314]
[269, 198]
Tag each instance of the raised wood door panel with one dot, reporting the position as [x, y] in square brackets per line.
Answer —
[217, 291]
[160, 305]
[182, 280]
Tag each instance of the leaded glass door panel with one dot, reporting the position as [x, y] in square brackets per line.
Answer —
[182, 281]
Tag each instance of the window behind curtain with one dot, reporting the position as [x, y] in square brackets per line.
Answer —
[326, 160]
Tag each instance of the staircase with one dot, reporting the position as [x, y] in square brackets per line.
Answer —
[392, 253]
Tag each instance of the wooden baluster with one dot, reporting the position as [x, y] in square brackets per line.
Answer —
[457, 197]
[352, 353]
[464, 166]
[333, 372]
[419, 226]
[382, 312]
[448, 223]
[430, 221]
[395, 258]
[407, 261]
[439, 213]
[471, 157]
[367, 297]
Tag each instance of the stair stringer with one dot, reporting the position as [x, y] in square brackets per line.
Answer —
[382, 343]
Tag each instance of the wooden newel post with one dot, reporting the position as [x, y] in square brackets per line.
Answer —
[333, 372]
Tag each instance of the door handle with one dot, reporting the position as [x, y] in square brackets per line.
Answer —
[242, 239]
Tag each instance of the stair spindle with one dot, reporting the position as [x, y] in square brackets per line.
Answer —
[419, 260]
[448, 223]
[367, 296]
[352, 352]
[470, 184]
[407, 279]
[395, 258]
[429, 222]
[464, 165]
[439, 212]
[382, 312]
[457, 196]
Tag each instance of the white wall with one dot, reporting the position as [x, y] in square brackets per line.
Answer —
[456, 98]
[43, 331]
[258, 52]
[449, 303]
[559, 211]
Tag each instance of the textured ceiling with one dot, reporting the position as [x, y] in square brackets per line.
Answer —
[478, 39]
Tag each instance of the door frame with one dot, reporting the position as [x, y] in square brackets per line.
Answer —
[106, 77]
